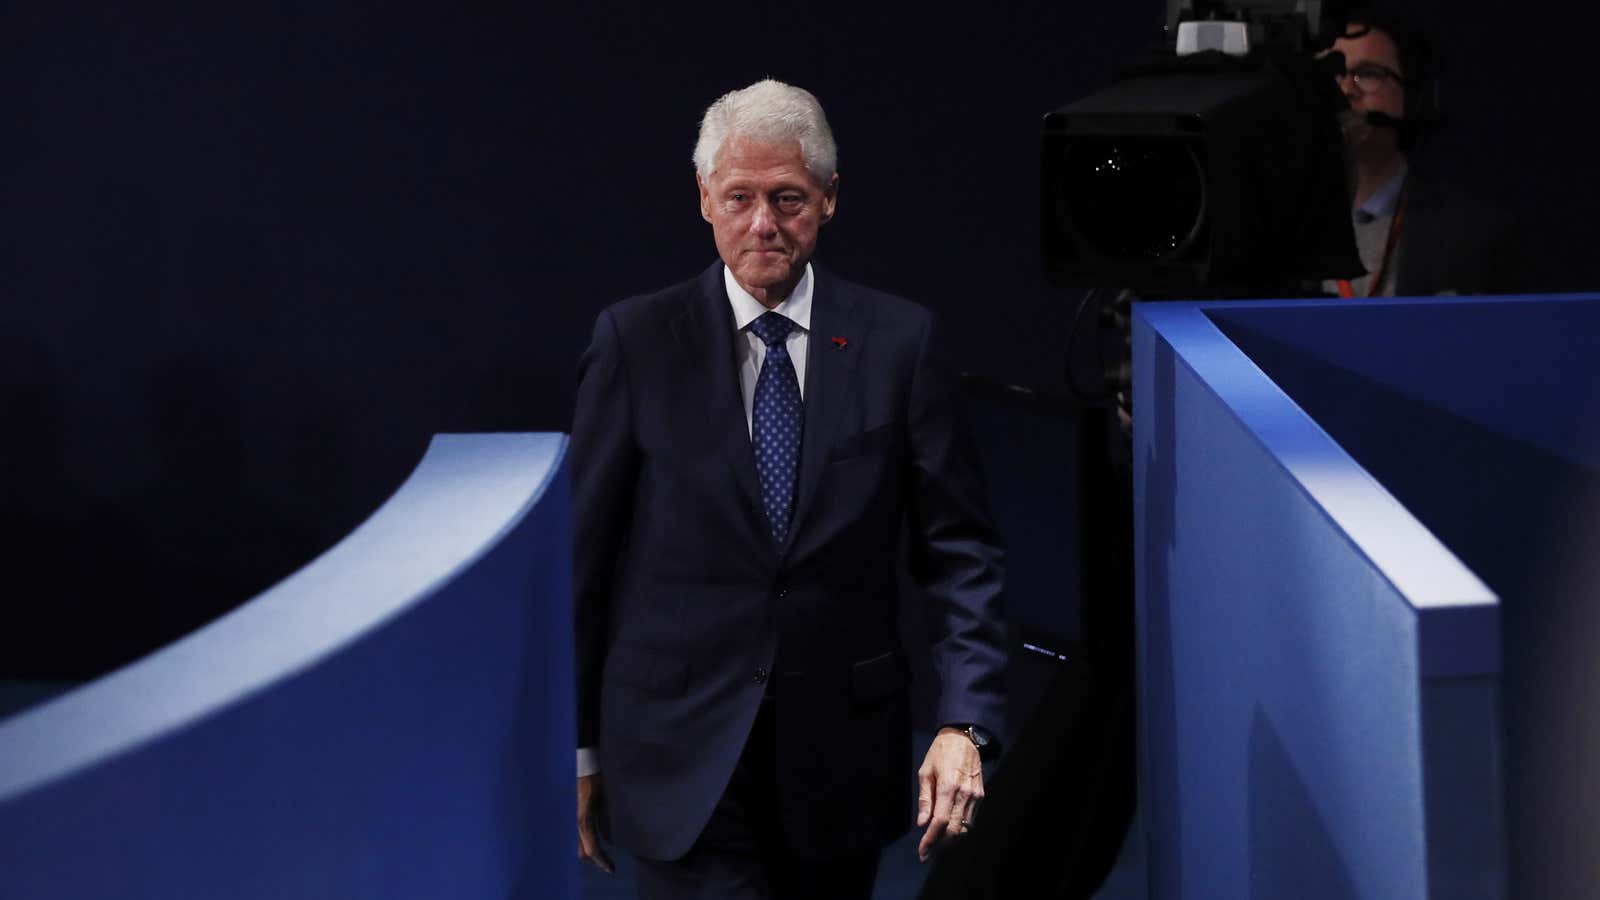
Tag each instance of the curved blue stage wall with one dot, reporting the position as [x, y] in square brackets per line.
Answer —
[393, 720]
[1319, 675]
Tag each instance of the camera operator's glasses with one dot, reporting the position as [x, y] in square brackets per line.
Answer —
[1369, 77]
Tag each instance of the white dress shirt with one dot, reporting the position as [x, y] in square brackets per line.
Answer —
[749, 354]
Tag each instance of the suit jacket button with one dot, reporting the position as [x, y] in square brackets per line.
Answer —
[761, 675]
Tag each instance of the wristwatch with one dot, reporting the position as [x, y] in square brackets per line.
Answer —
[979, 739]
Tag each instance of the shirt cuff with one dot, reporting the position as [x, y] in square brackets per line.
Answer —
[588, 761]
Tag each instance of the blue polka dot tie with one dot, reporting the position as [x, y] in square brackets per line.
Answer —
[776, 419]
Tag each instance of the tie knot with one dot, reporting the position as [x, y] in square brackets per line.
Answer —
[772, 328]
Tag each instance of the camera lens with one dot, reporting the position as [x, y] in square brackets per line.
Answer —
[1134, 199]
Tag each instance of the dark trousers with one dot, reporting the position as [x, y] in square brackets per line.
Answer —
[742, 854]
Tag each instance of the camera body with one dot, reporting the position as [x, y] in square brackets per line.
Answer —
[1203, 174]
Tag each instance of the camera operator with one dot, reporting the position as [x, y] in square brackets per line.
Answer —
[1414, 236]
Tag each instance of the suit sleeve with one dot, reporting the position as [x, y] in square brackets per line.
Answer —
[955, 552]
[605, 462]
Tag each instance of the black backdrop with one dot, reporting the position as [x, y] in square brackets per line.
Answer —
[253, 257]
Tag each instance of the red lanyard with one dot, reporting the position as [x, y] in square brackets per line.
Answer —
[1395, 227]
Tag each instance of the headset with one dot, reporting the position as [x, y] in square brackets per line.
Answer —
[1423, 114]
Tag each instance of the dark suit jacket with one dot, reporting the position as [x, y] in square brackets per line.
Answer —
[685, 605]
[1453, 244]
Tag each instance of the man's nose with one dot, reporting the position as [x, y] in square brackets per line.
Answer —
[762, 221]
[1347, 86]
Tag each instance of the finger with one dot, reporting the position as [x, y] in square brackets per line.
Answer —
[956, 817]
[925, 785]
[597, 857]
[590, 851]
[956, 814]
[936, 832]
[943, 821]
[969, 812]
[951, 805]
[599, 861]
[974, 800]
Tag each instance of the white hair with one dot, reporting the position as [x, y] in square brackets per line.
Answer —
[770, 112]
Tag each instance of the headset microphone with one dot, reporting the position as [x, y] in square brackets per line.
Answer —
[1409, 128]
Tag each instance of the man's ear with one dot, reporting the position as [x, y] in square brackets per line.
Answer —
[705, 197]
[830, 198]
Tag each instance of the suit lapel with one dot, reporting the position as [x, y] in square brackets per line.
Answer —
[830, 369]
[704, 331]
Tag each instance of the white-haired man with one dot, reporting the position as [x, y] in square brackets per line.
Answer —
[748, 448]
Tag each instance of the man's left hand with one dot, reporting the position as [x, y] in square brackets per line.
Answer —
[951, 787]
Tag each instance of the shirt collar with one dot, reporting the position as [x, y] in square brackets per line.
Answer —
[1383, 200]
[746, 309]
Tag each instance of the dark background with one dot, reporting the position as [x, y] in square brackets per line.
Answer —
[253, 257]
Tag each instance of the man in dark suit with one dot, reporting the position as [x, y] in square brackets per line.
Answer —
[748, 449]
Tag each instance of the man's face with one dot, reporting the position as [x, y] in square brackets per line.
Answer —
[1372, 52]
[765, 207]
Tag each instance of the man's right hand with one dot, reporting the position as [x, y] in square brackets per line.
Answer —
[589, 849]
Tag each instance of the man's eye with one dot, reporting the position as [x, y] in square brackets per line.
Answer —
[790, 201]
[738, 197]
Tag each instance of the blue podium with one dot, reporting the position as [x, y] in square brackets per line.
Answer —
[1369, 596]
[394, 720]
